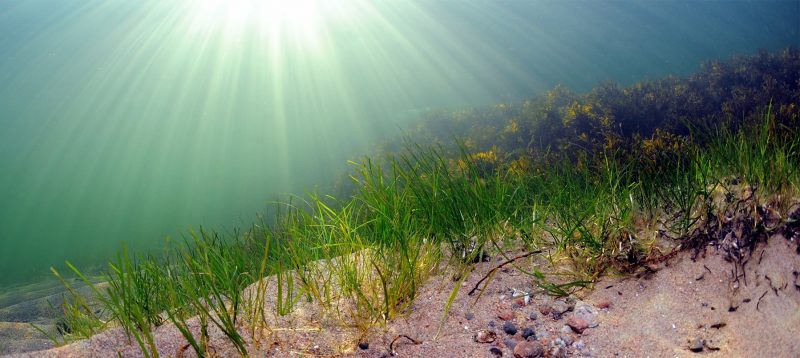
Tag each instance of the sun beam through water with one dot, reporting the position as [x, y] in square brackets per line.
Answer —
[303, 21]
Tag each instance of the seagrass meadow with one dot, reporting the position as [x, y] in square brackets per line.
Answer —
[346, 154]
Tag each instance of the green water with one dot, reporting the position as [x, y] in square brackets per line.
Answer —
[131, 121]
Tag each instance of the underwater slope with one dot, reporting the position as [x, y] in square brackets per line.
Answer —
[600, 198]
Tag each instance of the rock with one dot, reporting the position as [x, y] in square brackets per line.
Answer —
[563, 306]
[579, 345]
[510, 343]
[587, 313]
[558, 352]
[533, 316]
[558, 342]
[509, 328]
[492, 324]
[577, 324]
[696, 345]
[484, 336]
[363, 345]
[567, 339]
[527, 349]
[496, 352]
[506, 315]
[469, 316]
[556, 315]
[545, 309]
[604, 304]
[528, 333]
[566, 329]
[520, 302]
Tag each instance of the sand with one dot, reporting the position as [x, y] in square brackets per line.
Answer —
[656, 313]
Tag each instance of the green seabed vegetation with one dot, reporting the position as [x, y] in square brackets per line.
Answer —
[600, 183]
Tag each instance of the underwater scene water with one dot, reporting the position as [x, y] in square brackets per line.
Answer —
[127, 122]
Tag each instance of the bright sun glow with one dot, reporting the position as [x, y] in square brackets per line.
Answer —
[296, 18]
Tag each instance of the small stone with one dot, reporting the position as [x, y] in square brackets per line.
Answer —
[577, 324]
[579, 345]
[469, 316]
[696, 345]
[485, 336]
[520, 302]
[496, 352]
[533, 316]
[558, 352]
[545, 309]
[566, 329]
[556, 315]
[515, 306]
[563, 306]
[528, 333]
[492, 324]
[527, 349]
[558, 342]
[363, 345]
[510, 343]
[604, 304]
[567, 339]
[588, 313]
[509, 328]
[506, 315]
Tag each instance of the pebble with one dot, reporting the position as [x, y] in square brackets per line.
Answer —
[604, 304]
[528, 333]
[509, 328]
[469, 316]
[363, 345]
[496, 351]
[577, 324]
[506, 315]
[510, 343]
[492, 324]
[566, 329]
[567, 339]
[696, 345]
[579, 345]
[533, 316]
[556, 315]
[587, 313]
[563, 306]
[485, 336]
[545, 309]
[558, 352]
[527, 349]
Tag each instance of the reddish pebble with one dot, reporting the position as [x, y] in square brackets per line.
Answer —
[545, 309]
[520, 302]
[526, 349]
[577, 324]
[506, 315]
[604, 304]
